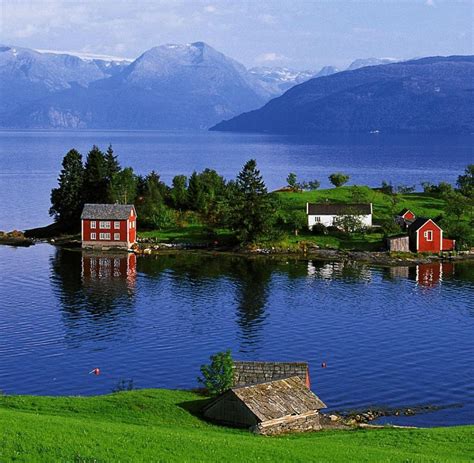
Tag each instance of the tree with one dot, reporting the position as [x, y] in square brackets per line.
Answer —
[349, 223]
[252, 206]
[218, 376]
[152, 211]
[123, 187]
[338, 179]
[466, 182]
[95, 177]
[112, 166]
[66, 200]
[386, 188]
[179, 192]
[292, 181]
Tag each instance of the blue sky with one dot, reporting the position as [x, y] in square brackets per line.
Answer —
[294, 33]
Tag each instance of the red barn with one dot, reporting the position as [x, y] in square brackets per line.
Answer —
[108, 226]
[427, 236]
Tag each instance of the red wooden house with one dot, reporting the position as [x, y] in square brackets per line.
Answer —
[426, 236]
[405, 217]
[108, 226]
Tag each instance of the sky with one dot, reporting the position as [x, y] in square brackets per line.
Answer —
[300, 34]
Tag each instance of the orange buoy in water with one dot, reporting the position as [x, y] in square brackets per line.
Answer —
[95, 371]
[324, 365]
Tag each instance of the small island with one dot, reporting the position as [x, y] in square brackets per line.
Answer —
[207, 212]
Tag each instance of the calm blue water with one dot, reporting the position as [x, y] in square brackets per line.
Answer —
[393, 337]
[30, 160]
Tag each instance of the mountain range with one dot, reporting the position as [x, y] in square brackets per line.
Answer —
[434, 94]
[194, 86]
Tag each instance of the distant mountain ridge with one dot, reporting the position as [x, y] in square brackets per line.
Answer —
[171, 86]
[433, 94]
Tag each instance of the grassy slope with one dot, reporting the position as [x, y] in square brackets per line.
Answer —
[156, 425]
[422, 204]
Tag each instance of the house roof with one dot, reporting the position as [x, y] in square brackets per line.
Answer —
[339, 209]
[107, 211]
[419, 222]
[250, 372]
[276, 399]
[404, 211]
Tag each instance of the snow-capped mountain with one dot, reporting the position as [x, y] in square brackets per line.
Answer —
[170, 86]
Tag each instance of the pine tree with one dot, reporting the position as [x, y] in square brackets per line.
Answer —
[112, 165]
[252, 209]
[67, 199]
[95, 177]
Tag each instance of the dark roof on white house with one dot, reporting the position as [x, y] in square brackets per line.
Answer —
[418, 223]
[107, 211]
[276, 399]
[339, 209]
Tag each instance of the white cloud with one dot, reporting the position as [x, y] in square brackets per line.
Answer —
[270, 57]
[267, 19]
[429, 3]
[210, 9]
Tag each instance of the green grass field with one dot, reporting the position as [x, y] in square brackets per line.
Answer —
[161, 426]
[420, 203]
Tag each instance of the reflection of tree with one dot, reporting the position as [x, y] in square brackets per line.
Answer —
[96, 291]
[197, 274]
[252, 279]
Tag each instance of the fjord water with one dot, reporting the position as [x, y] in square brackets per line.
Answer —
[31, 160]
[393, 337]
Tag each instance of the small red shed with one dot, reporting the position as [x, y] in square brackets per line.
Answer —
[426, 236]
[406, 214]
[108, 226]
[405, 217]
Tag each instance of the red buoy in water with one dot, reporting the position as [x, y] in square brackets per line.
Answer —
[95, 371]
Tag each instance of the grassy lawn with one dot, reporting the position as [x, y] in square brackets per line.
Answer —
[160, 425]
[422, 204]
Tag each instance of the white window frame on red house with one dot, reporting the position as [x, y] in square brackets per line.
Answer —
[428, 234]
[93, 236]
[104, 224]
[116, 225]
[93, 223]
[116, 236]
[104, 236]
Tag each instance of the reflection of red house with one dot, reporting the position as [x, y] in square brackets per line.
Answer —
[433, 273]
[118, 270]
[427, 236]
[108, 226]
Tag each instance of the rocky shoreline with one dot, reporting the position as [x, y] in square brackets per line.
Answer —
[304, 251]
[382, 258]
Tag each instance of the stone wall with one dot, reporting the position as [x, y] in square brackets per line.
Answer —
[309, 421]
[246, 373]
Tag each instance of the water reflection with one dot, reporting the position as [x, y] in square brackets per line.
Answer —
[96, 293]
[427, 275]
[350, 271]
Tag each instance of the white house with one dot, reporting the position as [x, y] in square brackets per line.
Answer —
[325, 213]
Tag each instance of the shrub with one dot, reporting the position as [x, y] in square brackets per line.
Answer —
[218, 376]
[319, 229]
[338, 179]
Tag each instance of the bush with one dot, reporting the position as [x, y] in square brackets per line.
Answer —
[218, 376]
[319, 229]
[338, 179]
